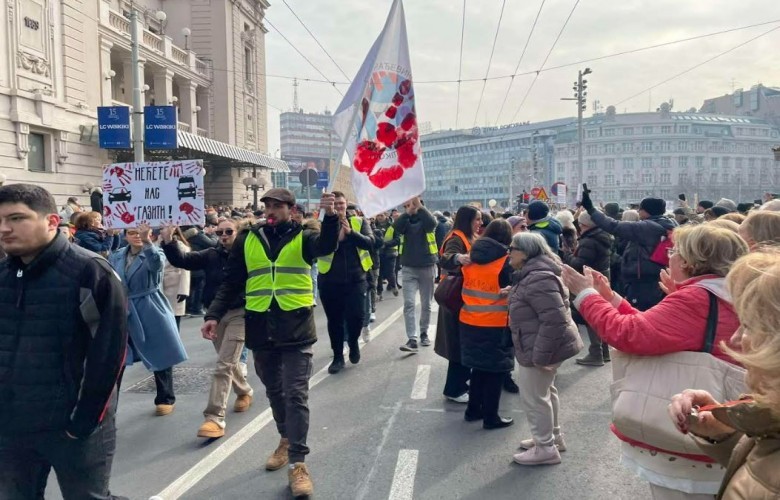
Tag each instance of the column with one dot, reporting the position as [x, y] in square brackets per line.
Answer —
[127, 65]
[107, 84]
[187, 102]
[205, 105]
[163, 87]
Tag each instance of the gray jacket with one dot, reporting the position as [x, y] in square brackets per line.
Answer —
[543, 331]
[413, 229]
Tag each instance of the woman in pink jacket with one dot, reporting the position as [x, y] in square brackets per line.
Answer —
[698, 264]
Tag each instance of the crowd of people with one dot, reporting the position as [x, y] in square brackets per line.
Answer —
[683, 303]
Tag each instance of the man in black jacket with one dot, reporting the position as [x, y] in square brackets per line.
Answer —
[63, 337]
[279, 332]
[229, 341]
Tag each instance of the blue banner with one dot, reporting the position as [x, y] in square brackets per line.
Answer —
[160, 127]
[322, 180]
[114, 127]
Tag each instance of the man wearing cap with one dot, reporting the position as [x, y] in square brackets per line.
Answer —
[640, 274]
[271, 263]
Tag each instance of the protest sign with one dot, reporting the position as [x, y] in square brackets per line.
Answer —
[154, 193]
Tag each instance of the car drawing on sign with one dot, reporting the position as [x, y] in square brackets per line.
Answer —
[119, 194]
[187, 188]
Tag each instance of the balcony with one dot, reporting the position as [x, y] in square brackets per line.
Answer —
[185, 127]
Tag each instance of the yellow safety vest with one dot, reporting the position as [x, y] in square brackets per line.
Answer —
[433, 249]
[324, 263]
[287, 279]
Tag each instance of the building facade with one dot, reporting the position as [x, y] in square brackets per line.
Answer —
[64, 58]
[760, 102]
[630, 156]
[491, 163]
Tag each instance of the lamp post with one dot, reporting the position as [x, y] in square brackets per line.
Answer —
[580, 87]
[254, 184]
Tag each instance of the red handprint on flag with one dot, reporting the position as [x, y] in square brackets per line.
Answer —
[193, 168]
[122, 175]
[123, 214]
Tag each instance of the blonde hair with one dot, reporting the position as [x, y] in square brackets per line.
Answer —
[761, 227]
[566, 219]
[630, 216]
[708, 249]
[754, 284]
[733, 216]
[724, 224]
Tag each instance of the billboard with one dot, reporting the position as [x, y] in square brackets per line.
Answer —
[299, 163]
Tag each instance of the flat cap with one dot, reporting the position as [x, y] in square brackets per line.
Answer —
[279, 194]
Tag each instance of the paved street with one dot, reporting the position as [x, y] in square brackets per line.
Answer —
[378, 430]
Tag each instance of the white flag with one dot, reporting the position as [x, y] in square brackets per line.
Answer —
[378, 123]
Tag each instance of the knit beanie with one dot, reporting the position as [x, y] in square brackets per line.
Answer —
[727, 204]
[653, 206]
[537, 211]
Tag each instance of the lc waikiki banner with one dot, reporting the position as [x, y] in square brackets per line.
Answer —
[378, 123]
[154, 193]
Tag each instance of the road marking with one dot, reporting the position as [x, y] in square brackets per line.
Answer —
[194, 475]
[366, 483]
[420, 387]
[403, 479]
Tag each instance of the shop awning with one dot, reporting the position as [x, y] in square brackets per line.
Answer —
[241, 155]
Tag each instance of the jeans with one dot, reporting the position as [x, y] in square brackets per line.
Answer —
[285, 374]
[195, 300]
[82, 466]
[163, 379]
[387, 272]
[417, 279]
[458, 376]
[485, 393]
[344, 306]
[540, 402]
[229, 345]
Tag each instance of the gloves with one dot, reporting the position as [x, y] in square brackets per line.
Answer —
[181, 298]
[587, 203]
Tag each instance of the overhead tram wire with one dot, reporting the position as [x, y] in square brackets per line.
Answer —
[460, 63]
[306, 58]
[541, 68]
[490, 61]
[315, 39]
[698, 65]
[517, 68]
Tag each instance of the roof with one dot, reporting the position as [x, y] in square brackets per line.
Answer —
[217, 148]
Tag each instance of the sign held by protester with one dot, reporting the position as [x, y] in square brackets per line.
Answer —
[154, 193]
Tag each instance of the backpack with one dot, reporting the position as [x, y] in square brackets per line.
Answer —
[660, 254]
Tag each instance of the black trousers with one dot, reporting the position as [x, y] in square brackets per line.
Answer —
[285, 375]
[387, 271]
[163, 379]
[598, 349]
[82, 466]
[485, 393]
[195, 300]
[458, 377]
[344, 306]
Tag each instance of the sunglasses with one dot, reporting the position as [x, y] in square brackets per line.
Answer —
[220, 232]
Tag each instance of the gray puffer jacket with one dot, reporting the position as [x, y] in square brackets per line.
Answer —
[543, 331]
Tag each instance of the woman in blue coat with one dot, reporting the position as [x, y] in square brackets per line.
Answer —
[153, 337]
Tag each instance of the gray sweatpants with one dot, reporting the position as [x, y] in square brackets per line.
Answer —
[416, 279]
[540, 402]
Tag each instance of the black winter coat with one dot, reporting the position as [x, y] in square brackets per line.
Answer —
[211, 261]
[594, 250]
[447, 343]
[488, 348]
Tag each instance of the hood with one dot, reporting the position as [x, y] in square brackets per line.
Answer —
[312, 224]
[711, 282]
[548, 224]
[191, 232]
[543, 263]
[486, 250]
[600, 236]
[665, 222]
[442, 219]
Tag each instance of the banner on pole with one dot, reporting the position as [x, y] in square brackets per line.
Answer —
[155, 193]
[114, 127]
[160, 127]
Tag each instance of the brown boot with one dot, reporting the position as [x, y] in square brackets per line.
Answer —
[278, 458]
[243, 403]
[162, 410]
[211, 430]
[300, 481]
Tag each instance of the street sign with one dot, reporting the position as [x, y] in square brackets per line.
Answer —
[555, 187]
[322, 180]
[541, 194]
[561, 195]
[114, 127]
[160, 127]
[308, 177]
[535, 192]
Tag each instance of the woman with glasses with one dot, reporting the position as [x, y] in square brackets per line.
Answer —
[699, 261]
[153, 336]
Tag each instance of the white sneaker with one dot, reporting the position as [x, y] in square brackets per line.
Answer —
[372, 318]
[462, 399]
[527, 444]
[365, 334]
[243, 368]
[538, 455]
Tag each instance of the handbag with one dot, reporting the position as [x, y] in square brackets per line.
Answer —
[643, 387]
[448, 293]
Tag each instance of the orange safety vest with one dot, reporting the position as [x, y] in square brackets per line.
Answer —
[456, 232]
[482, 302]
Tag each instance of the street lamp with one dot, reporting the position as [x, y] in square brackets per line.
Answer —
[186, 32]
[253, 184]
[580, 94]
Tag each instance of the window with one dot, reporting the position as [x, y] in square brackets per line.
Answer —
[724, 177]
[609, 164]
[666, 129]
[628, 178]
[609, 132]
[609, 180]
[592, 133]
[682, 178]
[628, 131]
[647, 130]
[628, 163]
[666, 145]
[36, 157]
[666, 178]
[683, 161]
[699, 146]
[715, 163]
[591, 150]
[647, 177]
[666, 161]
[591, 164]
[593, 180]
[627, 147]
[751, 162]
[714, 177]
[248, 73]
[647, 163]
[682, 146]
[609, 148]
[699, 161]
[684, 129]
[647, 146]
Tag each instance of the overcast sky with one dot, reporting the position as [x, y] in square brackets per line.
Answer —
[347, 28]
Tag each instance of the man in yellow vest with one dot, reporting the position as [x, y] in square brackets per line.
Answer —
[343, 286]
[419, 254]
[271, 263]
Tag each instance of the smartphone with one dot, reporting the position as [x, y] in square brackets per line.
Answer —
[585, 188]
[681, 196]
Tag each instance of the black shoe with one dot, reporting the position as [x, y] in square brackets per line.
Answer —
[497, 424]
[336, 366]
[424, 340]
[472, 415]
[354, 354]
[607, 358]
[510, 386]
[590, 361]
[410, 346]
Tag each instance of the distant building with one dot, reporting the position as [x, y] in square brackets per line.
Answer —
[474, 166]
[633, 155]
[760, 102]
